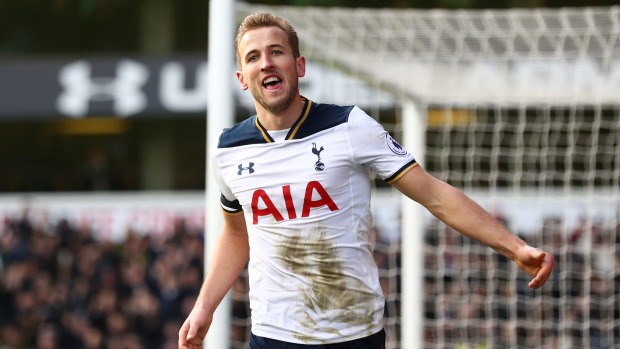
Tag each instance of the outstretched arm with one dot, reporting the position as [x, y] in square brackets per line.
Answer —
[229, 258]
[461, 213]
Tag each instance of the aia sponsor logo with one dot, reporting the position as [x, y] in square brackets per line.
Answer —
[315, 196]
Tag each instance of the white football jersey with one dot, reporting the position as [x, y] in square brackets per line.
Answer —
[306, 201]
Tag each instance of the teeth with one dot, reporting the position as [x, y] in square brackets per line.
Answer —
[271, 79]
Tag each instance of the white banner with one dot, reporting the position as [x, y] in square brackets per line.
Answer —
[110, 216]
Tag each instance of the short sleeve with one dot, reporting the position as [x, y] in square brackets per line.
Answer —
[228, 201]
[376, 149]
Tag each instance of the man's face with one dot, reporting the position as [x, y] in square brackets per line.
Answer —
[269, 69]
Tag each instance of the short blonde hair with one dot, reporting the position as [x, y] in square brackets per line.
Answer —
[263, 20]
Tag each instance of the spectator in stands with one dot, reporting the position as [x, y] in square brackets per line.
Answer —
[62, 288]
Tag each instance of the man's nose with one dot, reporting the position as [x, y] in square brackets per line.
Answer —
[266, 62]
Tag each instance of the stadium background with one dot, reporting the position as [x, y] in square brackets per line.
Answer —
[72, 275]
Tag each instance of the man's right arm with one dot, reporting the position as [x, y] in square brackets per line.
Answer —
[229, 258]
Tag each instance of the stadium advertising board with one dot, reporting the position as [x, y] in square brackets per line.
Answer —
[141, 87]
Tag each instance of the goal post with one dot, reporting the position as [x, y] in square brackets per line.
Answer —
[220, 115]
[519, 109]
[412, 238]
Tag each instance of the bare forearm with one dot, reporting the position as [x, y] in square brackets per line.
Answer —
[229, 258]
[458, 211]
[467, 217]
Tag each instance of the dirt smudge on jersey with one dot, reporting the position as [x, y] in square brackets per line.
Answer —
[329, 293]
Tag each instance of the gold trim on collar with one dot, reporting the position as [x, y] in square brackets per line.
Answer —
[301, 120]
[263, 131]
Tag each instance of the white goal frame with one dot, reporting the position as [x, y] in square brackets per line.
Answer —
[527, 58]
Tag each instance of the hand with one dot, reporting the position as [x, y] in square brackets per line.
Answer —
[194, 329]
[537, 263]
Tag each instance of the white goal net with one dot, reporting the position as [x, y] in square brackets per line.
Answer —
[522, 112]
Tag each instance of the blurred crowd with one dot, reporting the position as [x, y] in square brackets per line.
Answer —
[60, 287]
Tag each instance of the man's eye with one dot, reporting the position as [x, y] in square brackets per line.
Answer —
[252, 58]
[276, 53]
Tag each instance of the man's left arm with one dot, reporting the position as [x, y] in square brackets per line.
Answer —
[460, 212]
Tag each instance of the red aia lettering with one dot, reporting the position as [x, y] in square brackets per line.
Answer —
[288, 199]
[324, 200]
[270, 209]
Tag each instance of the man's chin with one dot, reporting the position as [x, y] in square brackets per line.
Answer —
[275, 105]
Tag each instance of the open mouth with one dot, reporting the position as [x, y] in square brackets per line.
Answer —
[272, 82]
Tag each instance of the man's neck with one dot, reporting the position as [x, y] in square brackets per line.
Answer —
[280, 121]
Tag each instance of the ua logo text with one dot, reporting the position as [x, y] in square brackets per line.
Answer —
[249, 168]
[80, 88]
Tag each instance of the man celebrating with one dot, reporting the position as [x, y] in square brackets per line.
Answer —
[296, 200]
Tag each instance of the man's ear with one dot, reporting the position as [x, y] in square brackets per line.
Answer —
[301, 66]
[244, 86]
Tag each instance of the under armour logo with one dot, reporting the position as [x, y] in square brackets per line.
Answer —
[249, 168]
[80, 88]
[318, 166]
